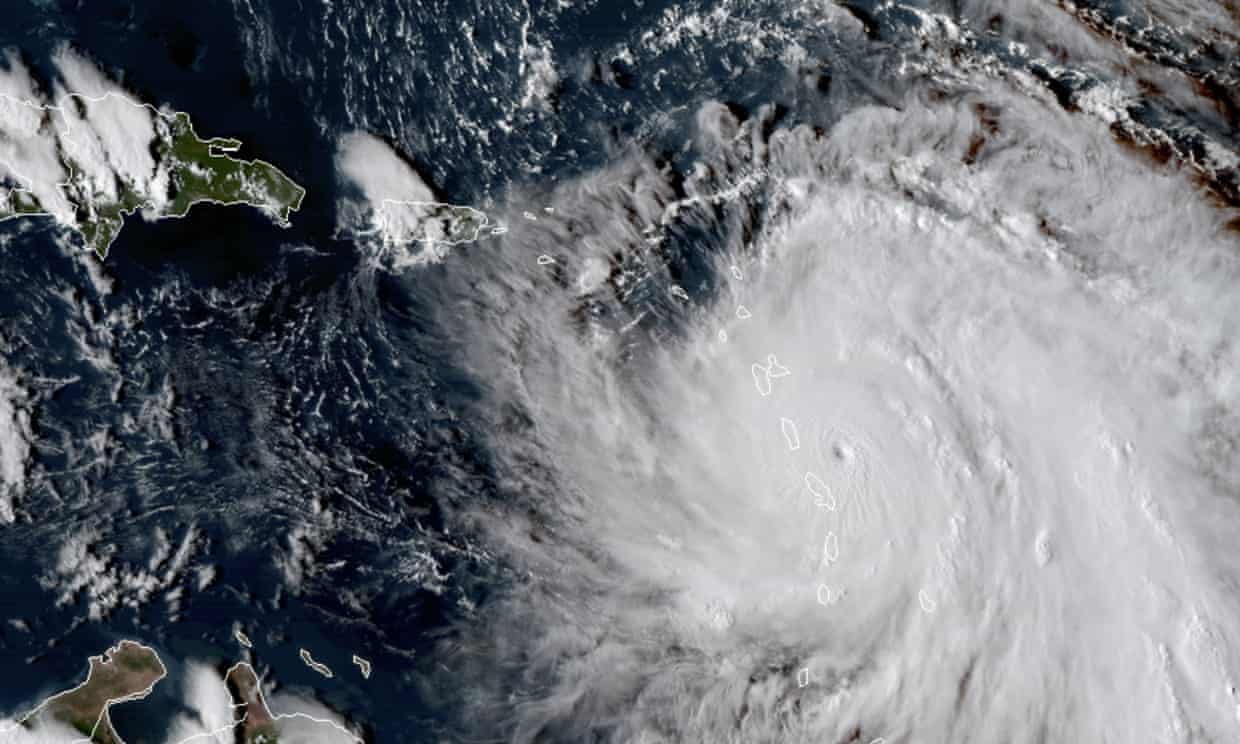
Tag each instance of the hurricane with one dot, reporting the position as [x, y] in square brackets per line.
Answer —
[932, 441]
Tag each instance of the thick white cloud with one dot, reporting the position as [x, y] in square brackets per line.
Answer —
[305, 721]
[104, 132]
[79, 75]
[28, 140]
[205, 694]
[15, 79]
[93, 176]
[117, 127]
[378, 171]
[1013, 375]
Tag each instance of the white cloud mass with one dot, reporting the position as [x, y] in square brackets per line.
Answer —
[1013, 372]
[378, 171]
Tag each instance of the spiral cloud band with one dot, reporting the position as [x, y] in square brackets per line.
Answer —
[962, 471]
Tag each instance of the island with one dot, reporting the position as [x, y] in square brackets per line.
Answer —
[431, 222]
[89, 162]
[317, 666]
[127, 671]
[255, 723]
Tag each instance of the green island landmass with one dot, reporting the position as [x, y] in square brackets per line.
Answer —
[189, 170]
[127, 671]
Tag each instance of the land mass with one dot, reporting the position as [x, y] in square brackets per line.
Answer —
[431, 222]
[253, 719]
[127, 671]
[91, 161]
[255, 723]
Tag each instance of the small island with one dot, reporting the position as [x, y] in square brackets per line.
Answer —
[317, 666]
